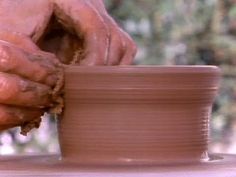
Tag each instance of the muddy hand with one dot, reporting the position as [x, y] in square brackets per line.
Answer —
[104, 43]
[27, 76]
[78, 31]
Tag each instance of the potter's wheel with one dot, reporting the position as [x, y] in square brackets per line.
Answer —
[49, 165]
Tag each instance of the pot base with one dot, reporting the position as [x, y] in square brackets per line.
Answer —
[132, 162]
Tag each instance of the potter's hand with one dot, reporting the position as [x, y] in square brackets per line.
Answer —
[104, 42]
[85, 34]
[27, 76]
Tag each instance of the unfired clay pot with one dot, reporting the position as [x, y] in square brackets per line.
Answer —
[137, 114]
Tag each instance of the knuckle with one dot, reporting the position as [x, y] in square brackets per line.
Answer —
[7, 62]
[99, 26]
[4, 53]
[8, 88]
[129, 43]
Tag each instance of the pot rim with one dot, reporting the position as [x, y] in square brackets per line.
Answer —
[144, 69]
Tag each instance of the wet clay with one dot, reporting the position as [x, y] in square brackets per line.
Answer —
[137, 115]
[57, 93]
[57, 104]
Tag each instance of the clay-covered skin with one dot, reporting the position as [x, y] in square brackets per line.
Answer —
[27, 80]
[37, 36]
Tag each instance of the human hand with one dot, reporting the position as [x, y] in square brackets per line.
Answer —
[104, 42]
[76, 31]
[27, 79]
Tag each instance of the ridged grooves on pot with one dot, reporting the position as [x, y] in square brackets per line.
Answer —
[137, 115]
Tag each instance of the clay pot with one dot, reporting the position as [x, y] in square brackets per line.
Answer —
[137, 115]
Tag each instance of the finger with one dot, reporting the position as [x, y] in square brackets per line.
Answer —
[15, 90]
[130, 52]
[89, 25]
[96, 49]
[116, 49]
[36, 67]
[11, 116]
[20, 40]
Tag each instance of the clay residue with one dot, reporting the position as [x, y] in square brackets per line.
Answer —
[57, 93]
[26, 127]
[77, 57]
[57, 103]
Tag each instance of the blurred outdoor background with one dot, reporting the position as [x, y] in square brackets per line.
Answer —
[167, 32]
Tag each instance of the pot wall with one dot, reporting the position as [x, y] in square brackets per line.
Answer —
[136, 115]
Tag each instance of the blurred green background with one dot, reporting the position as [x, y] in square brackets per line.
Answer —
[167, 32]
